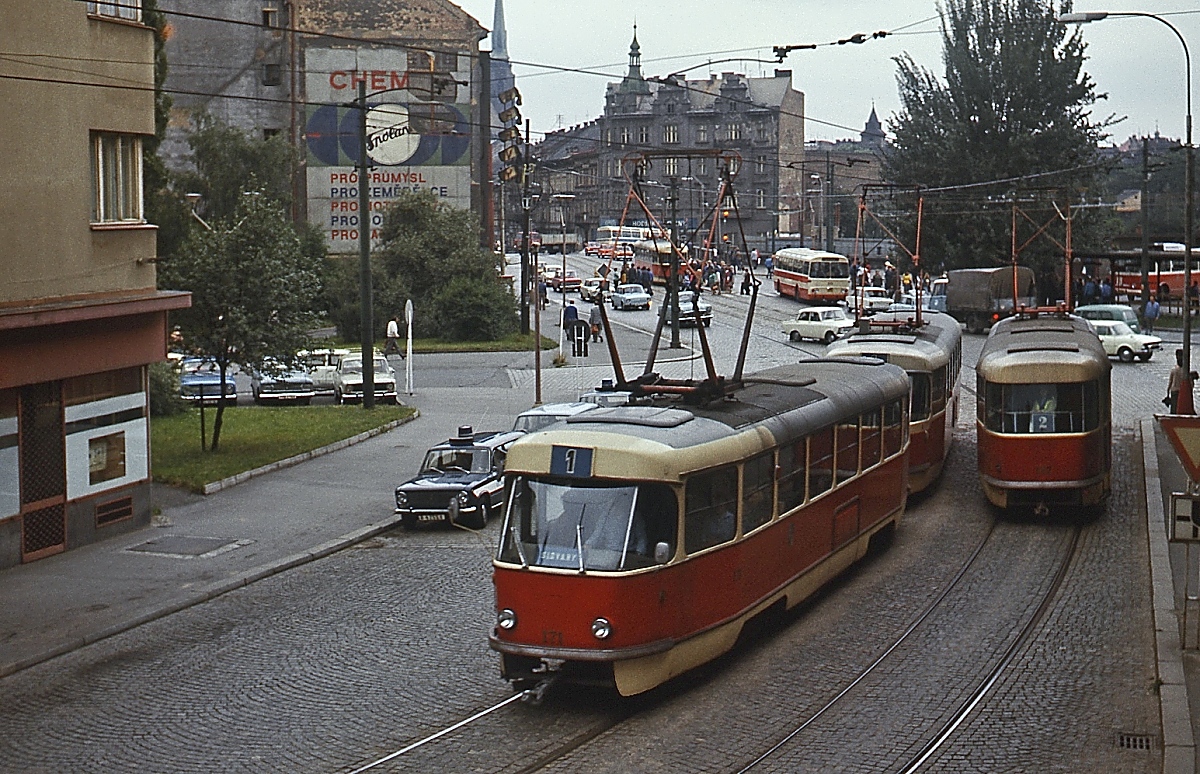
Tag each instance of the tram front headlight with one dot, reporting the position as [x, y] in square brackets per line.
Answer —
[506, 619]
[601, 628]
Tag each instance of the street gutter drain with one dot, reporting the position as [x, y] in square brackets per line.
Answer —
[1135, 742]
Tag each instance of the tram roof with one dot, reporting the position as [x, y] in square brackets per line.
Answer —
[914, 349]
[1042, 350]
[662, 443]
[807, 253]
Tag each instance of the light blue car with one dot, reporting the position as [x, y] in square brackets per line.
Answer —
[630, 296]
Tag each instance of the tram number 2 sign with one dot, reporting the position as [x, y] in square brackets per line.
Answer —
[1185, 518]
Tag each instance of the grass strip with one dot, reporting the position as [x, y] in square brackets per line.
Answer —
[253, 437]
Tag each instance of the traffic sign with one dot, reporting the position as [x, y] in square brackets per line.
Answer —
[1183, 431]
[1185, 518]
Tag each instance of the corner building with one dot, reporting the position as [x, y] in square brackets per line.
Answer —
[80, 315]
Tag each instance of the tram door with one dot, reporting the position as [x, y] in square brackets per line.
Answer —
[43, 472]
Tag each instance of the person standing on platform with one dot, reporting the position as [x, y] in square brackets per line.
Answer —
[1150, 314]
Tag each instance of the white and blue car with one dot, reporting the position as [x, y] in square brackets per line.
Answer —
[631, 296]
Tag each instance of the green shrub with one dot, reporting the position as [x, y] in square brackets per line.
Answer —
[468, 309]
[165, 400]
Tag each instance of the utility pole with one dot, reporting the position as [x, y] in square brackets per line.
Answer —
[1145, 223]
[673, 280]
[367, 314]
[526, 269]
[828, 203]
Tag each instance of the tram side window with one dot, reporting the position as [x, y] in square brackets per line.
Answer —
[920, 397]
[847, 449]
[893, 428]
[758, 491]
[872, 443]
[937, 383]
[820, 462]
[792, 475]
[655, 520]
[710, 517]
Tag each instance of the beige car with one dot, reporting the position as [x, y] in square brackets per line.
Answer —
[823, 323]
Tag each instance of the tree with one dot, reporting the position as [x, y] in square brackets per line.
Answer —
[430, 253]
[253, 288]
[1015, 103]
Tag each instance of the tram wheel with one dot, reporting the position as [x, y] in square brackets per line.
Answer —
[1126, 354]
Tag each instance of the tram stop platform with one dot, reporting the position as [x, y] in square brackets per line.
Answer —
[1175, 591]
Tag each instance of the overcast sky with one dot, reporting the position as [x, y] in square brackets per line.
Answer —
[1138, 62]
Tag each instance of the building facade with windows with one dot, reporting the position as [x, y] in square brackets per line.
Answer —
[80, 315]
[293, 67]
[756, 123]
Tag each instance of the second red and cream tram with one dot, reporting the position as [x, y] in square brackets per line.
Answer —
[1044, 413]
[931, 353]
[638, 540]
[655, 255]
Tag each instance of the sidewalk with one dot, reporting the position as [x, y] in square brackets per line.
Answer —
[1178, 669]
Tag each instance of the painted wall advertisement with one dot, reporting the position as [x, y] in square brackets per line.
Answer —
[418, 137]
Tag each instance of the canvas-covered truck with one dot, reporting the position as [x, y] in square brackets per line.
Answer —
[980, 297]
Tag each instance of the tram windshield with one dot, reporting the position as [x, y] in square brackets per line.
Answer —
[588, 526]
[1043, 408]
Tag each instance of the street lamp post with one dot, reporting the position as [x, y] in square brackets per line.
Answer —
[563, 200]
[1184, 404]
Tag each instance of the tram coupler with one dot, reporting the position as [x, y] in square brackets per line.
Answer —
[537, 694]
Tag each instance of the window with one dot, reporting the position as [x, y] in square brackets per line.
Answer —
[671, 166]
[270, 16]
[871, 441]
[445, 61]
[758, 491]
[920, 403]
[626, 135]
[1043, 408]
[893, 428]
[702, 133]
[847, 449]
[671, 133]
[760, 165]
[760, 197]
[820, 462]
[760, 131]
[272, 74]
[117, 9]
[710, 517]
[421, 61]
[644, 135]
[106, 458]
[735, 131]
[702, 167]
[792, 475]
[117, 178]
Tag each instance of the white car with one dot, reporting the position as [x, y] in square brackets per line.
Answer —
[347, 380]
[872, 299]
[630, 296]
[1120, 340]
[534, 419]
[322, 365]
[823, 323]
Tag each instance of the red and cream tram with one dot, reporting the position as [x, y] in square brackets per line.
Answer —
[931, 353]
[655, 255]
[638, 540]
[1044, 413]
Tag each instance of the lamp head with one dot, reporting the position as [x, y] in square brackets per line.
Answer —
[1082, 18]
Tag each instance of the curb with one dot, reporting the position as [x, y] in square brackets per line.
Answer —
[1178, 742]
[207, 593]
[216, 486]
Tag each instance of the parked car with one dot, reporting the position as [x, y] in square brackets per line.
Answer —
[631, 296]
[1120, 312]
[1120, 340]
[200, 381]
[348, 378]
[823, 323]
[461, 481]
[322, 366]
[872, 299]
[571, 282]
[534, 419]
[594, 289]
[687, 307]
[279, 382]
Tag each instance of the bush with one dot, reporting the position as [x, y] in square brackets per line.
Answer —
[473, 310]
[165, 400]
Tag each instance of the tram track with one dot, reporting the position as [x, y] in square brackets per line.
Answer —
[976, 695]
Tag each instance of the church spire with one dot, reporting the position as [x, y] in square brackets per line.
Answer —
[499, 35]
[635, 58]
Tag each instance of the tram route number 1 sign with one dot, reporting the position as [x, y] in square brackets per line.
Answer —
[1185, 518]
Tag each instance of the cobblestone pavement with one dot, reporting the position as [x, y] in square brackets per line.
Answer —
[344, 660]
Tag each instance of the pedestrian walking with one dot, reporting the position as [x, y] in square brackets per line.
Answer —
[1150, 314]
[1174, 382]
[596, 321]
[392, 346]
[746, 283]
[570, 313]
